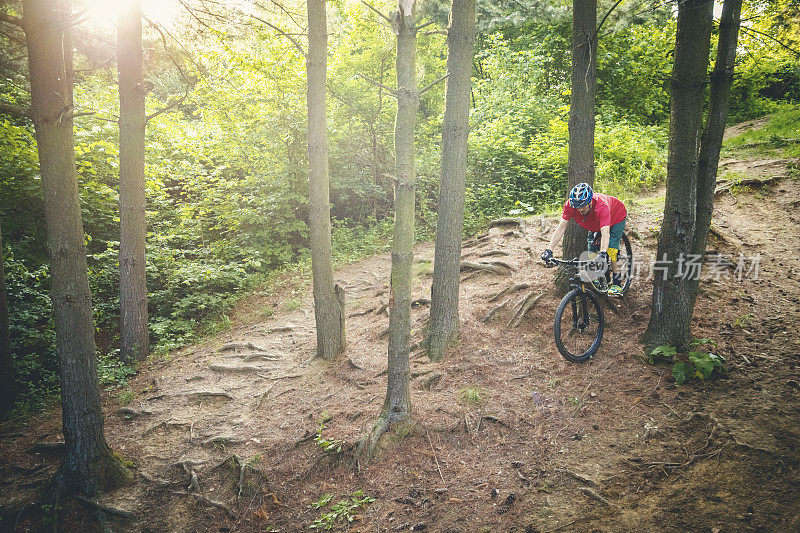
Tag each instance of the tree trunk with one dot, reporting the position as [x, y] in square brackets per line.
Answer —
[671, 306]
[7, 386]
[580, 167]
[711, 142]
[89, 465]
[444, 321]
[397, 406]
[134, 335]
[328, 309]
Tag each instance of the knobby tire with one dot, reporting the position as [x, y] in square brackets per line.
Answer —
[593, 306]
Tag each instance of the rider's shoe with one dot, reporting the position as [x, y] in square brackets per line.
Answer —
[614, 290]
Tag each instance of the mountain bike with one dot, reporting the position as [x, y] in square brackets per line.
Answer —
[579, 336]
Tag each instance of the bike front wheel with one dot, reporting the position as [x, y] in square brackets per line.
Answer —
[578, 326]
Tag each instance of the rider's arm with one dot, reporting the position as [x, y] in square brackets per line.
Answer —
[559, 234]
[605, 236]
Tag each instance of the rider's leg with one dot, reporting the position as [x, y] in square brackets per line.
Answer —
[613, 250]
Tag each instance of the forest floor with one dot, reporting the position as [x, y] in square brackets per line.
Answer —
[228, 435]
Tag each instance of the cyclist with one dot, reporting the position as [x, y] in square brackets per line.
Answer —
[595, 212]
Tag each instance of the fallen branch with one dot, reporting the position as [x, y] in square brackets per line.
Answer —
[596, 496]
[578, 477]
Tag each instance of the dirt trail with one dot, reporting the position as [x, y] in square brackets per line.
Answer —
[511, 438]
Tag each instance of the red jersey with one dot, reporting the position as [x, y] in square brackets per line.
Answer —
[606, 211]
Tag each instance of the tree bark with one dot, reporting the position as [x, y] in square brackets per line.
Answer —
[671, 304]
[7, 385]
[444, 319]
[397, 405]
[89, 465]
[711, 142]
[580, 168]
[134, 335]
[328, 309]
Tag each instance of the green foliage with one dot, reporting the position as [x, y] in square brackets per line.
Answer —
[328, 446]
[112, 373]
[700, 365]
[771, 139]
[471, 395]
[662, 353]
[342, 512]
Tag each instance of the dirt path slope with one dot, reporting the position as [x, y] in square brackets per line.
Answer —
[230, 434]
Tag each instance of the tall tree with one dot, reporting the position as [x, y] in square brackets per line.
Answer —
[397, 404]
[89, 465]
[134, 335]
[711, 142]
[328, 298]
[580, 166]
[671, 306]
[444, 322]
[6, 368]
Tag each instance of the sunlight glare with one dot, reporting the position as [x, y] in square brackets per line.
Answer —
[103, 13]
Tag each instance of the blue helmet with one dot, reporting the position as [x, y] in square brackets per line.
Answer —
[580, 195]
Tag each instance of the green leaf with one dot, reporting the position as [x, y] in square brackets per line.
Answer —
[704, 363]
[682, 373]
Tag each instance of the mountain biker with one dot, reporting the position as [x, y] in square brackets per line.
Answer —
[594, 212]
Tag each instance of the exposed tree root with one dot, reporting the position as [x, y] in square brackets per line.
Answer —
[127, 412]
[509, 290]
[726, 185]
[281, 329]
[508, 221]
[209, 502]
[236, 346]
[490, 253]
[496, 267]
[263, 396]
[49, 448]
[258, 357]
[222, 439]
[494, 311]
[106, 509]
[365, 447]
[526, 305]
[237, 368]
[362, 313]
[204, 395]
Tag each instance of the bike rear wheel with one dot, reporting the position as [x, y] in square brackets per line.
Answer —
[578, 325]
[625, 263]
